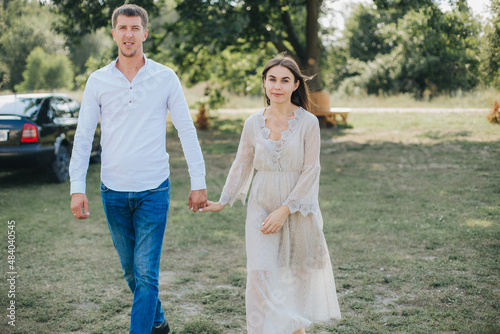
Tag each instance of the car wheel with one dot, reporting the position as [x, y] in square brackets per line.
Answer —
[59, 169]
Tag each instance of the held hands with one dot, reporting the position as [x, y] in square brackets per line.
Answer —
[197, 199]
[213, 206]
[80, 206]
[275, 221]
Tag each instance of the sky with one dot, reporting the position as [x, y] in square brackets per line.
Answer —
[478, 6]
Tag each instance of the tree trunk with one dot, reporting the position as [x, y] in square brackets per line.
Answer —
[313, 49]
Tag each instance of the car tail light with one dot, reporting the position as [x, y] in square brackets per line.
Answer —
[30, 134]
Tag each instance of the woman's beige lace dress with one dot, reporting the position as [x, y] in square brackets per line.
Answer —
[289, 275]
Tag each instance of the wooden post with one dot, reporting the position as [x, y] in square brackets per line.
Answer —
[202, 119]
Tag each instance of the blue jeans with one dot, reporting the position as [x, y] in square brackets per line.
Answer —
[137, 223]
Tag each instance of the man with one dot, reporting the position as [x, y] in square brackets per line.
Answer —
[131, 96]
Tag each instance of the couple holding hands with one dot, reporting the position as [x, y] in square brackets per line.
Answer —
[290, 282]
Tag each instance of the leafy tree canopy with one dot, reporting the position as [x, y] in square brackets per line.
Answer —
[291, 26]
[27, 25]
[201, 30]
[85, 16]
[408, 46]
[45, 71]
[490, 47]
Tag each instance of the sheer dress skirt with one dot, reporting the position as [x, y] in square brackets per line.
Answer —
[290, 281]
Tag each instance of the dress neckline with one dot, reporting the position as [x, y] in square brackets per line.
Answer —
[285, 134]
[276, 147]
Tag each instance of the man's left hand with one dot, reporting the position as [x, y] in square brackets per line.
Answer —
[197, 199]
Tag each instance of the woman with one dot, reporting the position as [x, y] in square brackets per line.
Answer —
[289, 275]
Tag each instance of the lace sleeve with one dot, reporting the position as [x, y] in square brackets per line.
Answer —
[241, 172]
[304, 196]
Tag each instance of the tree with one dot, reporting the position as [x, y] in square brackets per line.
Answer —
[201, 30]
[96, 44]
[27, 25]
[4, 69]
[490, 47]
[85, 16]
[207, 28]
[424, 51]
[362, 34]
[58, 72]
[34, 73]
[45, 71]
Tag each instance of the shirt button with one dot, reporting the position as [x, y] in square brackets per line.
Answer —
[129, 101]
[130, 87]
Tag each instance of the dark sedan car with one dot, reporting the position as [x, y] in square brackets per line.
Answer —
[37, 130]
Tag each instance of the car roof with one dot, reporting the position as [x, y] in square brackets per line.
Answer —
[13, 97]
[17, 104]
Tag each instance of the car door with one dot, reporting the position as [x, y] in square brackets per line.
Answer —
[45, 119]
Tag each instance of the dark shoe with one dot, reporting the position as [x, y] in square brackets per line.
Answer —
[163, 329]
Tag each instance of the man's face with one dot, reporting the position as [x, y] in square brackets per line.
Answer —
[129, 35]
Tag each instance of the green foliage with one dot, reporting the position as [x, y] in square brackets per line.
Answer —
[34, 72]
[393, 10]
[59, 72]
[92, 65]
[490, 47]
[97, 44]
[231, 71]
[45, 71]
[82, 17]
[363, 35]
[28, 24]
[203, 30]
[388, 47]
[4, 74]
[424, 51]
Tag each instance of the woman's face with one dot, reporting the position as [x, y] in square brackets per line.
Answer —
[280, 84]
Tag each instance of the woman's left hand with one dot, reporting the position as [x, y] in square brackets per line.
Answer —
[275, 221]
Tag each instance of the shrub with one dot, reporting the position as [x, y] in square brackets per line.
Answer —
[45, 71]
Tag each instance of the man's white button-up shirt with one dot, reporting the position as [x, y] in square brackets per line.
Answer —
[133, 129]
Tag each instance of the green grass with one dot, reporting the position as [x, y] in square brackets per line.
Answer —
[478, 98]
[411, 207]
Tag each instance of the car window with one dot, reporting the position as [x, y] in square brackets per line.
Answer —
[64, 107]
[74, 107]
[23, 107]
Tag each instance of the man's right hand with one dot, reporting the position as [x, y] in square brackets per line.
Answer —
[80, 206]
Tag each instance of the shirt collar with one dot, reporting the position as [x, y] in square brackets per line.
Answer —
[117, 72]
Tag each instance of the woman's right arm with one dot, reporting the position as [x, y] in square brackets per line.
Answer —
[213, 207]
[241, 172]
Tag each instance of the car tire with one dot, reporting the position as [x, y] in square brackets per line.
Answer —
[59, 169]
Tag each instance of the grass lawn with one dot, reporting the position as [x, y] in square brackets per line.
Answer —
[411, 204]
